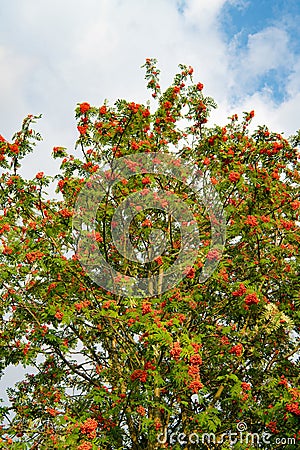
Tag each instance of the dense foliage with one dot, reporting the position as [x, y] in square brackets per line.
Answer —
[112, 372]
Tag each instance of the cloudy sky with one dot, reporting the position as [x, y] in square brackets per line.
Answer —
[56, 53]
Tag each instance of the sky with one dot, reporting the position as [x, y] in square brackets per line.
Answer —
[57, 53]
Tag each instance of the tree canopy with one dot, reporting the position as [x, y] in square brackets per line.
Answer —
[158, 364]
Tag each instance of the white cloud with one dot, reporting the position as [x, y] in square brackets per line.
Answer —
[14, 68]
[266, 52]
[286, 117]
[203, 14]
[293, 81]
[267, 49]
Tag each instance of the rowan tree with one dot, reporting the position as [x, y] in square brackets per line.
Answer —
[112, 369]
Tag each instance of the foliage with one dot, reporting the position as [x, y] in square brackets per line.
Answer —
[112, 372]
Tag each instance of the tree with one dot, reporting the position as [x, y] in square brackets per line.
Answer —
[152, 365]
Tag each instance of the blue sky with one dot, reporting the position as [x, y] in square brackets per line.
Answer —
[249, 18]
[56, 53]
[253, 16]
